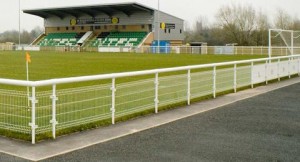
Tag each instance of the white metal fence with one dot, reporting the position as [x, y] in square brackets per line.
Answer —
[226, 50]
[51, 108]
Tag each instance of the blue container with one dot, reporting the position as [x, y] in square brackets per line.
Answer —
[164, 46]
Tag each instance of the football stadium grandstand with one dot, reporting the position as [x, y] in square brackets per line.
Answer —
[104, 26]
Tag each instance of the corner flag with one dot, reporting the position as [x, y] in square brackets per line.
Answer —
[28, 57]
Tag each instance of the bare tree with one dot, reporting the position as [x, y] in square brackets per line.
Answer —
[237, 22]
[283, 20]
[262, 27]
[26, 37]
[296, 24]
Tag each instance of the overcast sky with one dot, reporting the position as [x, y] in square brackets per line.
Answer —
[188, 10]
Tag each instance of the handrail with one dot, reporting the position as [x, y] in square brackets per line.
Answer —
[128, 74]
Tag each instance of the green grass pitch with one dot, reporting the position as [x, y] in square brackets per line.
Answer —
[49, 65]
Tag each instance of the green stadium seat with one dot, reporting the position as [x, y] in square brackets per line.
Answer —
[60, 39]
[119, 39]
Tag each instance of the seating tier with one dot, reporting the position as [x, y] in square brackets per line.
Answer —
[60, 39]
[127, 39]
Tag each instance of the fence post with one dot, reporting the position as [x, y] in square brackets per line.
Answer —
[278, 69]
[234, 78]
[242, 50]
[298, 66]
[214, 81]
[289, 64]
[53, 121]
[189, 87]
[113, 100]
[156, 101]
[252, 82]
[266, 71]
[236, 50]
[32, 124]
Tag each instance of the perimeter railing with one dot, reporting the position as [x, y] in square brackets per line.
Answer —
[59, 104]
[218, 50]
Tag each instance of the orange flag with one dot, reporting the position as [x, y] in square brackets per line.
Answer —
[28, 57]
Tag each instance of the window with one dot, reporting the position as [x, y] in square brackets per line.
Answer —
[143, 26]
[58, 28]
[123, 26]
[73, 28]
[82, 27]
[150, 27]
[165, 30]
[67, 28]
[169, 30]
[97, 27]
[180, 31]
[116, 27]
[105, 27]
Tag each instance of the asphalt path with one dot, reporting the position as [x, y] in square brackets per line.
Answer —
[261, 128]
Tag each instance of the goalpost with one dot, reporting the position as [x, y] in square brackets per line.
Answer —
[283, 42]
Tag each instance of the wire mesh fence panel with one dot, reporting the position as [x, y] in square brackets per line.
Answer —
[172, 89]
[224, 79]
[83, 105]
[15, 111]
[43, 111]
[134, 97]
[243, 76]
[201, 84]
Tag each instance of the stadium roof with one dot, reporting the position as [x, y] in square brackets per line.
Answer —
[107, 9]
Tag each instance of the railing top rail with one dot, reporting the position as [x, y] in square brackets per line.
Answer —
[128, 74]
[16, 82]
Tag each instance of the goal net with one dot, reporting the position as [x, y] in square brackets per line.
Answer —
[283, 42]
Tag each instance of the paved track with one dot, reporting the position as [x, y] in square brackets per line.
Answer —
[262, 128]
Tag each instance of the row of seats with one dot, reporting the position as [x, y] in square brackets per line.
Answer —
[61, 39]
[118, 39]
[103, 39]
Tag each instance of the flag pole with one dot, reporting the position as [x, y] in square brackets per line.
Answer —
[19, 23]
[158, 26]
[27, 76]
